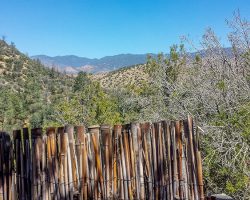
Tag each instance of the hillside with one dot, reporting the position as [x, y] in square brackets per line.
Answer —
[133, 75]
[27, 88]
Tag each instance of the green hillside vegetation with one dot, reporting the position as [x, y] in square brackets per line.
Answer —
[123, 77]
[213, 87]
[40, 97]
[27, 89]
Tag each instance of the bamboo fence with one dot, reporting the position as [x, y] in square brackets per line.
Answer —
[135, 161]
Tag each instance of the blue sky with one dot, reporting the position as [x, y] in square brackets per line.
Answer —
[96, 28]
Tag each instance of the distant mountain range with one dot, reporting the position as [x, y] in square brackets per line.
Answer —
[73, 64]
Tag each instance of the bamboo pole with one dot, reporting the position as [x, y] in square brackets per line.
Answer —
[64, 164]
[36, 135]
[148, 148]
[140, 167]
[44, 167]
[174, 162]
[127, 160]
[132, 161]
[9, 160]
[178, 131]
[1, 167]
[70, 177]
[160, 159]
[169, 160]
[85, 172]
[199, 167]
[94, 131]
[26, 163]
[70, 130]
[193, 159]
[165, 166]
[81, 161]
[62, 152]
[105, 133]
[52, 162]
[136, 159]
[18, 152]
[117, 172]
[123, 171]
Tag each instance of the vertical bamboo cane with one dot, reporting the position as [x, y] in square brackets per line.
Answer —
[94, 131]
[70, 130]
[10, 166]
[178, 132]
[44, 167]
[64, 164]
[70, 177]
[199, 167]
[165, 166]
[18, 152]
[127, 160]
[132, 162]
[154, 160]
[36, 135]
[116, 163]
[60, 132]
[169, 160]
[105, 132]
[174, 161]
[26, 162]
[193, 159]
[1, 167]
[141, 170]
[123, 168]
[161, 159]
[145, 133]
[189, 150]
[81, 160]
[137, 161]
[85, 168]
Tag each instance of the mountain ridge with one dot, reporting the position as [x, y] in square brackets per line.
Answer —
[73, 64]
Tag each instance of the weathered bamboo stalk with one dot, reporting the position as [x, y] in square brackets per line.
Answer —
[161, 160]
[199, 168]
[85, 168]
[141, 170]
[123, 166]
[169, 161]
[178, 132]
[79, 150]
[148, 157]
[127, 160]
[94, 131]
[36, 135]
[45, 195]
[74, 164]
[64, 163]
[136, 160]
[61, 163]
[9, 161]
[105, 133]
[165, 167]
[117, 168]
[1, 167]
[193, 155]
[174, 162]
